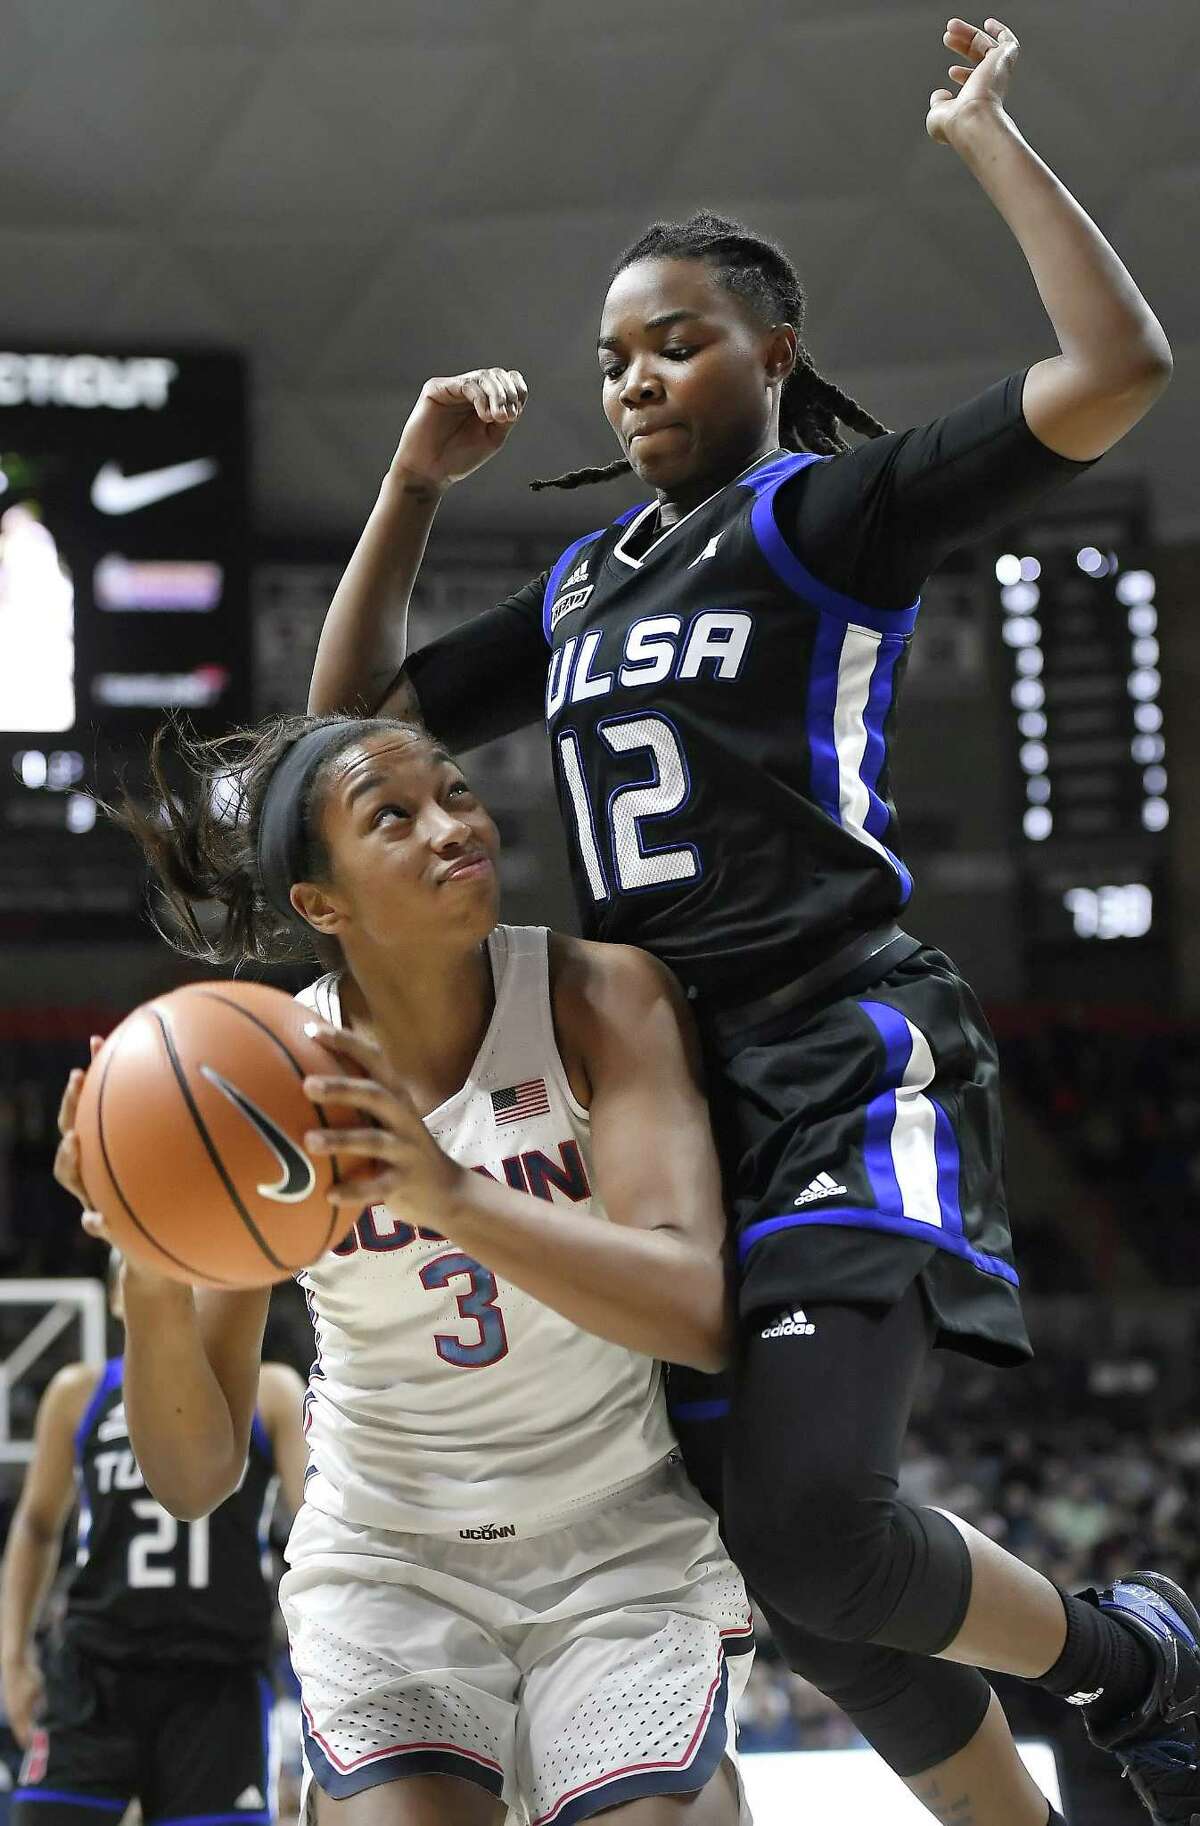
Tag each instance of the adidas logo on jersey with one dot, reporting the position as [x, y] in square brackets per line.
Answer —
[250, 1797]
[823, 1186]
[791, 1325]
[578, 575]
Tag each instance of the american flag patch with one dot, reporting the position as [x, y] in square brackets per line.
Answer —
[520, 1101]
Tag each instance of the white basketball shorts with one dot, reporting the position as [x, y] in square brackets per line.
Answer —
[565, 1673]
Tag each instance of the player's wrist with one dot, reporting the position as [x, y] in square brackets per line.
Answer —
[463, 1206]
[406, 484]
[143, 1284]
[976, 125]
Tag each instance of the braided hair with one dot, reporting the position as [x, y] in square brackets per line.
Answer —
[811, 408]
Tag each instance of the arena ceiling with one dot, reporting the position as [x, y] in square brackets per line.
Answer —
[362, 192]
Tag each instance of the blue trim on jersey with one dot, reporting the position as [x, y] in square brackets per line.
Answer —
[859, 1217]
[262, 1438]
[825, 776]
[261, 1818]
[894, 1032]
[881, 1112]
[71, 1800]
[698, 1410]
[825, 780]
[395, 1765]
[788, 568]
[879, 703]
[554, 580]
[681, 1778]
[949, 1163]
[111, 1378]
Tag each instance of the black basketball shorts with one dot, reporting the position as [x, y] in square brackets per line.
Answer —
[862, 1144]
[190, 1744]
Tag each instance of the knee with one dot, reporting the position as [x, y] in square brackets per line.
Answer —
[816, 1554]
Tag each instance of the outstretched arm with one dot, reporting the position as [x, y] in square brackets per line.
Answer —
[35, 1539]
[1114, 358]
[653, 1277]
[458, 422]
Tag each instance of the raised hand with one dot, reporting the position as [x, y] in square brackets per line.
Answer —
[411, 1172]
[459, 421]
[989, 54]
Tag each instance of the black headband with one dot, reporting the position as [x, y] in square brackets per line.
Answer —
[281, 832]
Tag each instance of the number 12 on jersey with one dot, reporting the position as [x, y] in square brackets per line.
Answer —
[666, 788]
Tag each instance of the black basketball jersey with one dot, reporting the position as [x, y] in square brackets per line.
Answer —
[149, 1589]
[720, 722]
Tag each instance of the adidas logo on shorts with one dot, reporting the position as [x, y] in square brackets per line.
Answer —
[791, 1325]
[823, 1186]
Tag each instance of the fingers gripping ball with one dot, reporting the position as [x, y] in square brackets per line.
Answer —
[191, 1128]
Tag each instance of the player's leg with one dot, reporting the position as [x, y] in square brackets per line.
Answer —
[408, 1702]
[639, 1648]
[812, 1514]
[81, 1765]
[936, 1724]
[418, 1800]
[823, 1536]
[718, 1803]
[985, 1782]
[820, 1532]
[842, 1551]
[897, 1091]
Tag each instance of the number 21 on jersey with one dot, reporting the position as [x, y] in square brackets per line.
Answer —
[667, 786]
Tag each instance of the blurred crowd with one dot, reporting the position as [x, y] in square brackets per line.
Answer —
[39, 1223]
[1122, 1097]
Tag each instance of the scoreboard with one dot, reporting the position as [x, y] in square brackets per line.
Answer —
[1078, 622]
[124, 584]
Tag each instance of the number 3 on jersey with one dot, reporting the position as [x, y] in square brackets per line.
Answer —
[667, 788]
[477, 1304]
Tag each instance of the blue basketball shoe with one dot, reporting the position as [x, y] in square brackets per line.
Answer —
[1158, 1745]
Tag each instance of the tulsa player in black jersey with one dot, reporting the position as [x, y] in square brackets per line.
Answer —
[158, 1689]
[719, 672]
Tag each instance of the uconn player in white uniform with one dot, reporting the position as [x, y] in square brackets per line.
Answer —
[502, 1591]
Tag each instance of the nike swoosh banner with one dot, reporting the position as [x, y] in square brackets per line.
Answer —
[124, 561]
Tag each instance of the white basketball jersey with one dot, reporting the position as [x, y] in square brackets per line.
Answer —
[443, 1400]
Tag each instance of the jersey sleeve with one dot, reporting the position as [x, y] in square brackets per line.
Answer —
[874, 523]
[487, 677]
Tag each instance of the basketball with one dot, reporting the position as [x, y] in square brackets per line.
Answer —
[191, 1128]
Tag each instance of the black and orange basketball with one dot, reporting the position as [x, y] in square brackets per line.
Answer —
[191, 1128]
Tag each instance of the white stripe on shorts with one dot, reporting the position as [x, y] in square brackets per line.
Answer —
[913, 1152]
